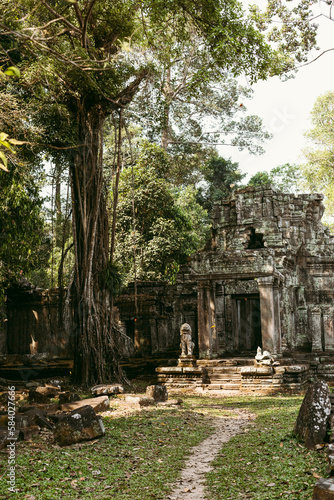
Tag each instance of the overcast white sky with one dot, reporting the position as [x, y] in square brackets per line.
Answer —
[285, 108]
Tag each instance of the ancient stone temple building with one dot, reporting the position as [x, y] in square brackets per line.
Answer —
[265, 279]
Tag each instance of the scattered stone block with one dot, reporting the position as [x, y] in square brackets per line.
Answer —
[170, 402]
[324, 489]
[47, 408]
[27, 433]
[23, 420]
[110, 389]
[38, 397]
[39, 417]
[139, 401]
[68, 397]
[157, 392]
[313, 418]
[80, 425]
[48, 390]
[99, 404]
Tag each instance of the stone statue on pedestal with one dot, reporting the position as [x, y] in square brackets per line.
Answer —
[186, 345]
[264, 358]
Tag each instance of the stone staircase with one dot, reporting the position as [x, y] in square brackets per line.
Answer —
[235, 374]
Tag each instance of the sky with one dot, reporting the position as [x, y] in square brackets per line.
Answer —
[285, 108]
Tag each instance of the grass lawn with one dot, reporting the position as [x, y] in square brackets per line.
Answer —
[266, 462]
[143, 453]
[136, 459]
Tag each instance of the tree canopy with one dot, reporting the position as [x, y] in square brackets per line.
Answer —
[81, 61]
[319, 168]
[286, 178]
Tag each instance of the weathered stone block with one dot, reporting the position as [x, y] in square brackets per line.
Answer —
[68, 397]
[254, 371]
[80, 425]
[169, 369]
[324, 489]
[139, 401]
[39, 417]
[38, 397]
[157, 392]
[48, 390]
[107, 389]
[99, 404]
[27, 433]
[313, 418]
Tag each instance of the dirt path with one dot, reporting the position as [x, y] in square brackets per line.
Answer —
[190, 486]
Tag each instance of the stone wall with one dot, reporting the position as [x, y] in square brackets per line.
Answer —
[37, 315]
[41, 316]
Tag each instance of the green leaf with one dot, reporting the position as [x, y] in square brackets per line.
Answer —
[13, 71]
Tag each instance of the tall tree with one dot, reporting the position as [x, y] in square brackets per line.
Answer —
[221, 177]
[319, 169]
[89, 59]
[286, 178]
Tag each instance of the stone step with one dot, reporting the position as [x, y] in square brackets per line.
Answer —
[223, 369]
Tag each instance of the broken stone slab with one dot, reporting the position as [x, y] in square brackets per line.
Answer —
[48, 390]
[47, 408]
[81, 424]
[68, 397]
[110, 389]
[324, 489]
[157, 392]
[38, 397]
[313, 418]
[39, 417]
[99, 404]
[23, 420]
[170, 402]
[27, 433]
[139, 401]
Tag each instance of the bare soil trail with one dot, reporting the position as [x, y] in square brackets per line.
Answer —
[191, 484]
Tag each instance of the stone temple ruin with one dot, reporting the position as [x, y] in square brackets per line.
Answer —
[266, 279]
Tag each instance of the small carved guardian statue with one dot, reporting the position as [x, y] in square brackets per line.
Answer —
[264, 358]
[186, 345]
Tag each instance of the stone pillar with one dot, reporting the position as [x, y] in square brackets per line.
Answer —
[316, 329]
[270, 315]
[206, 311]
[328, 315]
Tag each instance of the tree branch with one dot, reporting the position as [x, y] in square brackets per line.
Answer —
[85, 24]
[313, 60]
[62, 18]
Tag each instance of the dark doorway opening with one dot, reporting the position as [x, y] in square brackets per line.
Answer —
[247, 321]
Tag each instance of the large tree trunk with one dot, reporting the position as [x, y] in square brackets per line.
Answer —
[95, 339]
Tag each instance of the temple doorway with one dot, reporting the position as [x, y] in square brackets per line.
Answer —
[247, 322]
